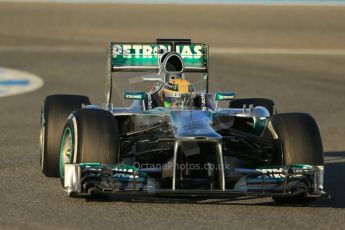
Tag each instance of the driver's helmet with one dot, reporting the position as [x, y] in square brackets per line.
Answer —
[177, 92]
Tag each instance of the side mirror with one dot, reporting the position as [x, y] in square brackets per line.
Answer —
[224, 96]
[134, 95]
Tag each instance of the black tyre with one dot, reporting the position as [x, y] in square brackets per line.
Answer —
[54, 113]
[267, 103]
[301, 144]
[89, 136]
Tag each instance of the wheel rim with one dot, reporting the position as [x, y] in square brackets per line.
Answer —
[66, 150]
[42, 141]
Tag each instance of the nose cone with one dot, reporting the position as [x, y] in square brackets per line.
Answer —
[193, 125]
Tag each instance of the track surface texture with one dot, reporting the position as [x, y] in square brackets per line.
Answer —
[65, 45]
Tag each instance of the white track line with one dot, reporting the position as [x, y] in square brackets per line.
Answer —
[213, 50]
[53, 49]
[335, 3]
[277, 51]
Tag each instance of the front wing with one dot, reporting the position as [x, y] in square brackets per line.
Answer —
[87, 179]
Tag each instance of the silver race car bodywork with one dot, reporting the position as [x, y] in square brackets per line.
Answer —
[189, 145]
[161, 148]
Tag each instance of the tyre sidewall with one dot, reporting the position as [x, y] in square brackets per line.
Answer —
[54, 113]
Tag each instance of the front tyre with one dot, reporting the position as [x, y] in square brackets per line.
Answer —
[54, 113]
[89, 136]
[300, 144]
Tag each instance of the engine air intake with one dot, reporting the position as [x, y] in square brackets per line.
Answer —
[173, 63]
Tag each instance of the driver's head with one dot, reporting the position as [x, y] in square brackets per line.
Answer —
[177, 84]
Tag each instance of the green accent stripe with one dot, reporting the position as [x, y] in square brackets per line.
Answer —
[61, 163]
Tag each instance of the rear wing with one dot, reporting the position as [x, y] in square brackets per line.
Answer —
[147, 57]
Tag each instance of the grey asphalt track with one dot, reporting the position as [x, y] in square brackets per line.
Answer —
[65, 45]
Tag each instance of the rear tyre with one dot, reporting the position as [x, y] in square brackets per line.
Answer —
[89, 136]
[54, 113]
[267, 103]
[301, 144]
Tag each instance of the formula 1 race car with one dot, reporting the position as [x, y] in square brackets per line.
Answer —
[176, 139]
